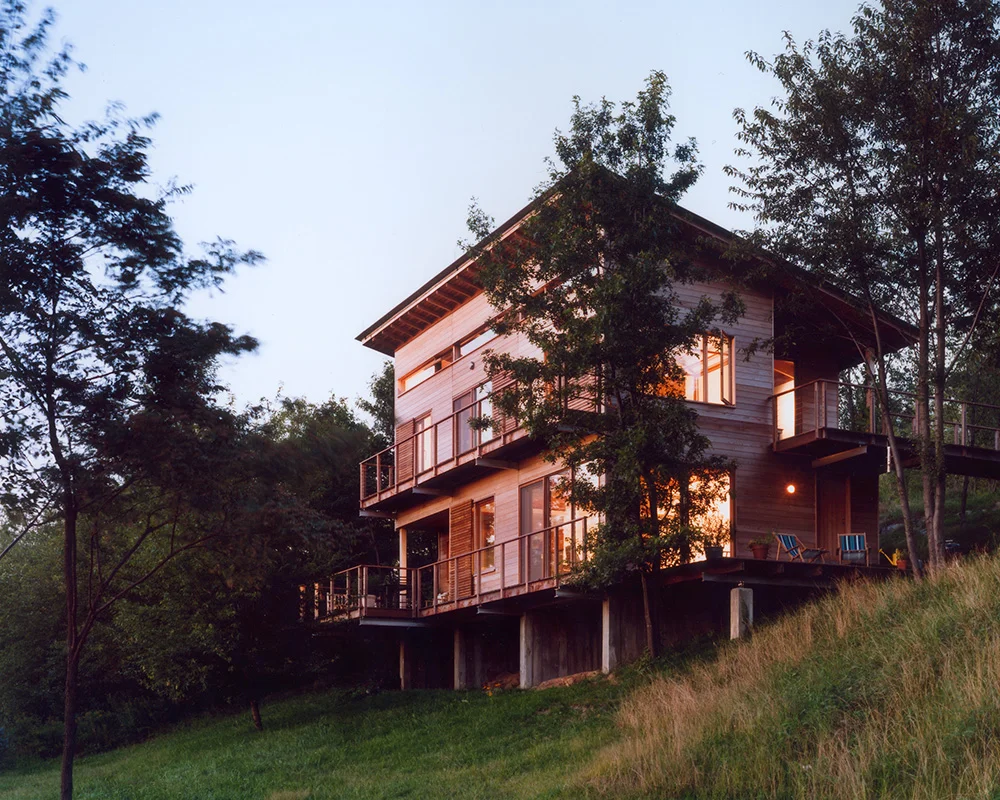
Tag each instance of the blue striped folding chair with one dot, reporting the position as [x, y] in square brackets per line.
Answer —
[852, 548]
[791, 546]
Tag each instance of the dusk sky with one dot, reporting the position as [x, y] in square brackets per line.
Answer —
[345, 140]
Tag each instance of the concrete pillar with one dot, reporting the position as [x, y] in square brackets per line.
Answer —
[740, 612]
[405, 665]
[459, 661]
[610, 646]
[527, 652]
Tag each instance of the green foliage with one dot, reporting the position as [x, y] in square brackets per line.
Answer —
[878, 166]
[589, 279]
[382, 404]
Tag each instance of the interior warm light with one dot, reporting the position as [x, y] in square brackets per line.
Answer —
[790, 488]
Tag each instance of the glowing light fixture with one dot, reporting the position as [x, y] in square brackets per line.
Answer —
[790, 488]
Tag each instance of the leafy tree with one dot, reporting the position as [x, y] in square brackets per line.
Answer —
[105, 385]
[382, 405]
[588, 280]
[879, 166]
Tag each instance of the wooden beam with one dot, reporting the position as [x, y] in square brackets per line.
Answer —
[738, 579]
[423, 490]
[496, 463]
[826, 461]
[376, 515]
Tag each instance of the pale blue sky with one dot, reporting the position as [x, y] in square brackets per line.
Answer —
[345, 140]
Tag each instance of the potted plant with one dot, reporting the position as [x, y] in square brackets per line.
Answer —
[900, 560]
[760, 546]
[715, 537]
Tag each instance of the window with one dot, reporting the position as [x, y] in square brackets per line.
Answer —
[486, 534]
[704, 506]
[423, 443]
[420, 374]
[548, 523]
[472, 405]
[475, 341]
[708, 370]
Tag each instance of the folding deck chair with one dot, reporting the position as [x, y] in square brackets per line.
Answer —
[794, 549]
[852, 548]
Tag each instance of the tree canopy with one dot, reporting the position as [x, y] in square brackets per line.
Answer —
[879, 166]
[588, 280]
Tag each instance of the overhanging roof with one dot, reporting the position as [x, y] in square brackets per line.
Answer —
[457, 283]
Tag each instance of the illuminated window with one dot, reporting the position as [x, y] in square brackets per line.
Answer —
[708, 370]
[486, 533]
[708, 507]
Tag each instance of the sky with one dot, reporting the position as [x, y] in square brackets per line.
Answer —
[345, 140]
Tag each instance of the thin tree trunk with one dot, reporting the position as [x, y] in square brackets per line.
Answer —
[652, 639]
[963, 507]
[72, 650]
[255, 714]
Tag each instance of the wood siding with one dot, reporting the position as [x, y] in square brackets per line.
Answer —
[742, 432]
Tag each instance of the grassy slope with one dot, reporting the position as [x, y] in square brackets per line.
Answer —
[414, 744]
[884, 690]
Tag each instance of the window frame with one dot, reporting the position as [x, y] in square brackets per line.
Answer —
[726, 374]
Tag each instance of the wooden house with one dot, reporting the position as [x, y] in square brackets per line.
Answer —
[486, 539]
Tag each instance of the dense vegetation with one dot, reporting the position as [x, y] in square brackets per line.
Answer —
[883, 690]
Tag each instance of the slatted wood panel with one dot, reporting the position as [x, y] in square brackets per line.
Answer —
[404, 452]
[503, 423]
[461, 541]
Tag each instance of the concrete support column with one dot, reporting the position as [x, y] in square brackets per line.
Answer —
[405, 665]
[459, 660]
[610, 631]
[740, 612]
[527, 652]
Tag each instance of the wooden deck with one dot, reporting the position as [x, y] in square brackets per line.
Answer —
[825, 429]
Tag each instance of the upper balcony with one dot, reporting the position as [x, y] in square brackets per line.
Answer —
[835, 421]
[442, 455]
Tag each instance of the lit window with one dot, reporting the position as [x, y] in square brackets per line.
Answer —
[486, 534]
[708, 370]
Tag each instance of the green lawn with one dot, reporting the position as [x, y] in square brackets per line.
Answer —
[332, 745]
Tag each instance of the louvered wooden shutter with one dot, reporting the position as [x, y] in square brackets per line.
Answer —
[404, 450]
[461, 541]
[502, 423]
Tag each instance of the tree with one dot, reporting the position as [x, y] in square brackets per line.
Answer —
[879, 167]
[588, 279]
[381, 407]
[105, 385]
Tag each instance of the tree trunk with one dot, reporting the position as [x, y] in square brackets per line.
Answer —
[649, 614]
[255, 714]
[72, 653]
[963, 507]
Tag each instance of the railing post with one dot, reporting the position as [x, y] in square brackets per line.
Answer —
[964, 441]
[871, 410]
[503, 567]
[816, 406]
[435, 583]
[823, 397]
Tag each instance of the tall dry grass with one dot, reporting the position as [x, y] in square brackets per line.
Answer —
[884, 690]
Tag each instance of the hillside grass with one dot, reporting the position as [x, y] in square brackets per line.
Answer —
[334, 745]
[885, 690]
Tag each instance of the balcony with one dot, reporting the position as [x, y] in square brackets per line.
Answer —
[444, 455]
[453, 451]
[529, 563]
[836, 421]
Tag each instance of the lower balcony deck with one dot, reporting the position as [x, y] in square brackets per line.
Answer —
[389, 596]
